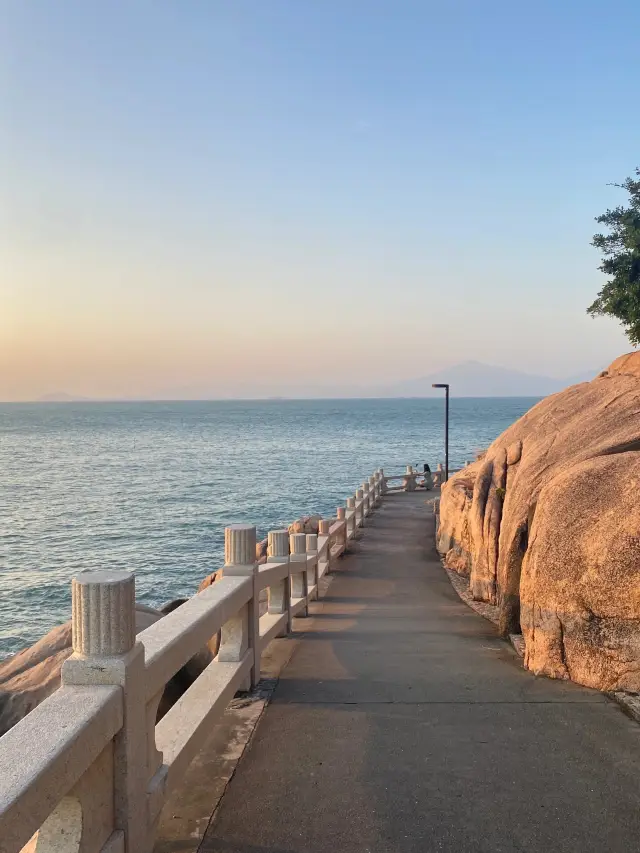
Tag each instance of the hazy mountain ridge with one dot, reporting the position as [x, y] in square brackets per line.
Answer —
[467, 379]
[474, 379]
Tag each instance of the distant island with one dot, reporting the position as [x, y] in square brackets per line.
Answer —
[62, 397]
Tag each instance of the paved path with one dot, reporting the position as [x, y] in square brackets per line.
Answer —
[402, 723]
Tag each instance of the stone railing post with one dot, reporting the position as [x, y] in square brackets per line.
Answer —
[383, 482]
[409, 480]
[241, 634]
[299, 587]
[312, 570]
[360, 514]
[366, 507]
[279, 600]
[351, 505]
[373, 491]
[105, 651]
[341, 515]
[324, 530]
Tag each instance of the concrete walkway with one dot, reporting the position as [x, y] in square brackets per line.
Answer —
[402, 723]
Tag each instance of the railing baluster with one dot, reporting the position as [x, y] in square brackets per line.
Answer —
[360, 509]
[312, 568]
[351, 507]
[299, 587]
[105, 651]
[324, 530]
[279, 594]
[242, 632]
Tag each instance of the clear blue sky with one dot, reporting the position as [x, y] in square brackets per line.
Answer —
[211, 195]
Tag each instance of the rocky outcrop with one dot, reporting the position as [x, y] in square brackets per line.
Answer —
[33, 674]
[27, 678]
[261, 551]
[306, 524]
[547, 526]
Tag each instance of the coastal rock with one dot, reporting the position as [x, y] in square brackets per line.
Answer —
[261, 551]
[546, 525]
[214, 643]
[33, 674]
[210, 579]
[27, 678]
[306, 524]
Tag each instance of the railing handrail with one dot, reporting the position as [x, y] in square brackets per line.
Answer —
[63, 736]
[178, 636]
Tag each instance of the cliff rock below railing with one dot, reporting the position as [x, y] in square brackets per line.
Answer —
[27, 678]
[547, 526]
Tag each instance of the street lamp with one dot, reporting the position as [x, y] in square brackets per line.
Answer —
[445, 385]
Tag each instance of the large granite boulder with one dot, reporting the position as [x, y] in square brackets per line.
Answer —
[306, 524]
[547, 526]
[31, 675]
[27, 678]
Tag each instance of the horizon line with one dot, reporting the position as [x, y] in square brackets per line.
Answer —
[278, 399]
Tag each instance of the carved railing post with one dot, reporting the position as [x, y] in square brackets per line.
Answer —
[341, 515]
[383, 482]
[323, 530]
[242, 632]
[373, 491]
[299, 587]
[105, 651]
[312, 568]
[367, 500]
[409, 480]
[360, 511]
[324, 526]
[280, 592]
[351, 506]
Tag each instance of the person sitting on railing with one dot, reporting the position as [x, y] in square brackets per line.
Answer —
[428, 477]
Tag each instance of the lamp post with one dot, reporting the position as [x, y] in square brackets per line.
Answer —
[445, 385]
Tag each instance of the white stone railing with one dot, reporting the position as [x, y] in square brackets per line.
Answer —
[89, 769]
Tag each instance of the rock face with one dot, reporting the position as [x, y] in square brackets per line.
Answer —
[27, 678]
[306, 524]
[547, 526]
[33, 674]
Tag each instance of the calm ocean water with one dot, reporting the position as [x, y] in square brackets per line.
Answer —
[150, 486]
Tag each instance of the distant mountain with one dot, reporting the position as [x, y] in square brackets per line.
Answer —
[582, 377]
[468, 379]
[474, 379]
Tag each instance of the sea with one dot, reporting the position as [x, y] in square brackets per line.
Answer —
[149, 487]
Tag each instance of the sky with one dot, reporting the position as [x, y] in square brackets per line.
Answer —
[203, 199]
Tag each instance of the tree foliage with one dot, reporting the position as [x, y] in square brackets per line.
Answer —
[620, 296]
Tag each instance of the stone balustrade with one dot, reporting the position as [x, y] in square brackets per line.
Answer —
[89, 769]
